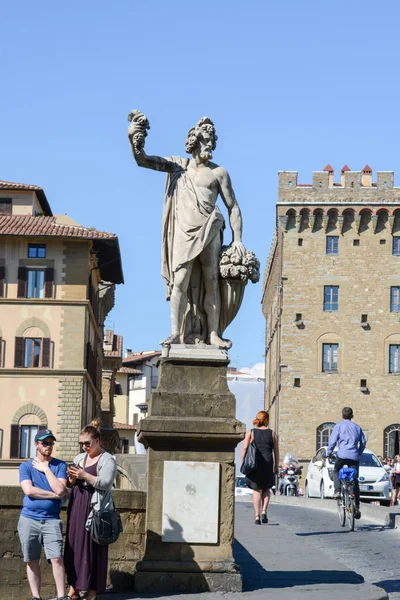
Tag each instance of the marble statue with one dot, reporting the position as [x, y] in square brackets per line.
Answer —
[194, 263]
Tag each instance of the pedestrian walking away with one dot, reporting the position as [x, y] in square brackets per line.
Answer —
[351, 442]
[395, 478]
[261, 479]
[43, 480]
[92, 476]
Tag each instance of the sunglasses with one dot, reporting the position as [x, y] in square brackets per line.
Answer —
[47, 443]
[85, 443]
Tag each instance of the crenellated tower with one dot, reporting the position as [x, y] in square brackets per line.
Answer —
[331, 299]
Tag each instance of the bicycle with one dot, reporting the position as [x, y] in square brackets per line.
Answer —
[347, 500]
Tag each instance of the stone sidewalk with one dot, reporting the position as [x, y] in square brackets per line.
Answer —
[277, 564]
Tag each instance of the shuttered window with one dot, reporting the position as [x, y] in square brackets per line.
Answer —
[48, 282]
[22, 440]
[34, 283]
[22, 280]
[2, 280]
[19, 352]
[32, 352]
[14, 444]
[46, 352]
[5, 206]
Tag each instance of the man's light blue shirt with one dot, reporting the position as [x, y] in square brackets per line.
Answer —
[349, 438]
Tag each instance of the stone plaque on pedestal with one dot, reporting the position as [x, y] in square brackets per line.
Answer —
[191, 426]
[190, 502]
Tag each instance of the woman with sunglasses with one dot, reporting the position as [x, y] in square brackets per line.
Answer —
[92, 476]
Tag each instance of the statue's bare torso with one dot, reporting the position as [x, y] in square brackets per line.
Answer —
[207, 180]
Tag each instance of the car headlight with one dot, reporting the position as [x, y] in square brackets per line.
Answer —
[384, 477]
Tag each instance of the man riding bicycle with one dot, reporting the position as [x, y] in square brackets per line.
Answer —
[351, 442]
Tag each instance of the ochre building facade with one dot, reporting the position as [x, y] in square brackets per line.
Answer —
[53, 302]
[331, 299]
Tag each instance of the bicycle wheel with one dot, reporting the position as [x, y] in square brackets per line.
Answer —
[351, 510]
[341, 511]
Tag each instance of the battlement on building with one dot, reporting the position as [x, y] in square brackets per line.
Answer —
[355, 187]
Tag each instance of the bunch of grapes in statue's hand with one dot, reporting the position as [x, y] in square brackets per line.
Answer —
[137, 130]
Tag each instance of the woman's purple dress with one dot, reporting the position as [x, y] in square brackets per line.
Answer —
[85, 561]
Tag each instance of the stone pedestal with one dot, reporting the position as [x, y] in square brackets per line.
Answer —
[191, 434]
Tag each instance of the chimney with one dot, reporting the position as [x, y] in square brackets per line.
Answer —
[366, 176]
[343, 171]
[128, 352]
[330, 174]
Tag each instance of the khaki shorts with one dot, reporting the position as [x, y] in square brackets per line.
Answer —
[35, 534]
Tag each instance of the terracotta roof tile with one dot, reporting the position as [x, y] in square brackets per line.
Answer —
[367, 169]
[140, 356]
[345, 168]
[123, 426]
[11, 185]
[329, 168]
[129, 371]
[47, 226]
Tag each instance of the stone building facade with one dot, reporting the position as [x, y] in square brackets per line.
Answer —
[53, 302]
[331, 299]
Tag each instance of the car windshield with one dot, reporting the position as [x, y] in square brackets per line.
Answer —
[369, 460]
[240, 482]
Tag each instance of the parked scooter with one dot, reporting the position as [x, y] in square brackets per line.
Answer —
[289, 484]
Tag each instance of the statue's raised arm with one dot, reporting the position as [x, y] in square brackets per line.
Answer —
[137, 133]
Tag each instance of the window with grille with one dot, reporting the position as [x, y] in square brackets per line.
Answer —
[330, 357]
[332, 244]
[395, 299]
[391, 440]
[324, 432]
[396, 246]
[331, 297]
[394, 358]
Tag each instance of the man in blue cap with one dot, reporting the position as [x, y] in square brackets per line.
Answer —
[43, 480]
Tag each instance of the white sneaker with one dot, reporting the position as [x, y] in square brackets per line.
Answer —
[336, 495]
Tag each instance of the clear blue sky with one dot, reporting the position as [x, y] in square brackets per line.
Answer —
[290, 85]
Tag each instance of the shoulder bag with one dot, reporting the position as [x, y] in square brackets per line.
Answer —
[105, 525]
[250, 460]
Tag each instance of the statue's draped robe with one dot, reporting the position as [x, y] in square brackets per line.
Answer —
[190, 222]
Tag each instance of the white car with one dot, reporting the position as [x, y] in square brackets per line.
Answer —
[373, 479]
[241, 488]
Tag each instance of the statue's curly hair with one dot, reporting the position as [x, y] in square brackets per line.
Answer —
[205, 124]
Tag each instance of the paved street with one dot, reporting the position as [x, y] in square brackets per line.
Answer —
[304, 553]
[371, 550]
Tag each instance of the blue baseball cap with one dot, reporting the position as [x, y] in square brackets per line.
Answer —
[42, 434]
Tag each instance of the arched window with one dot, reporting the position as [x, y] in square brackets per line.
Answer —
[291, 219]
[26, 422]
[391, 440]
[323, 434]
[33, 346]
